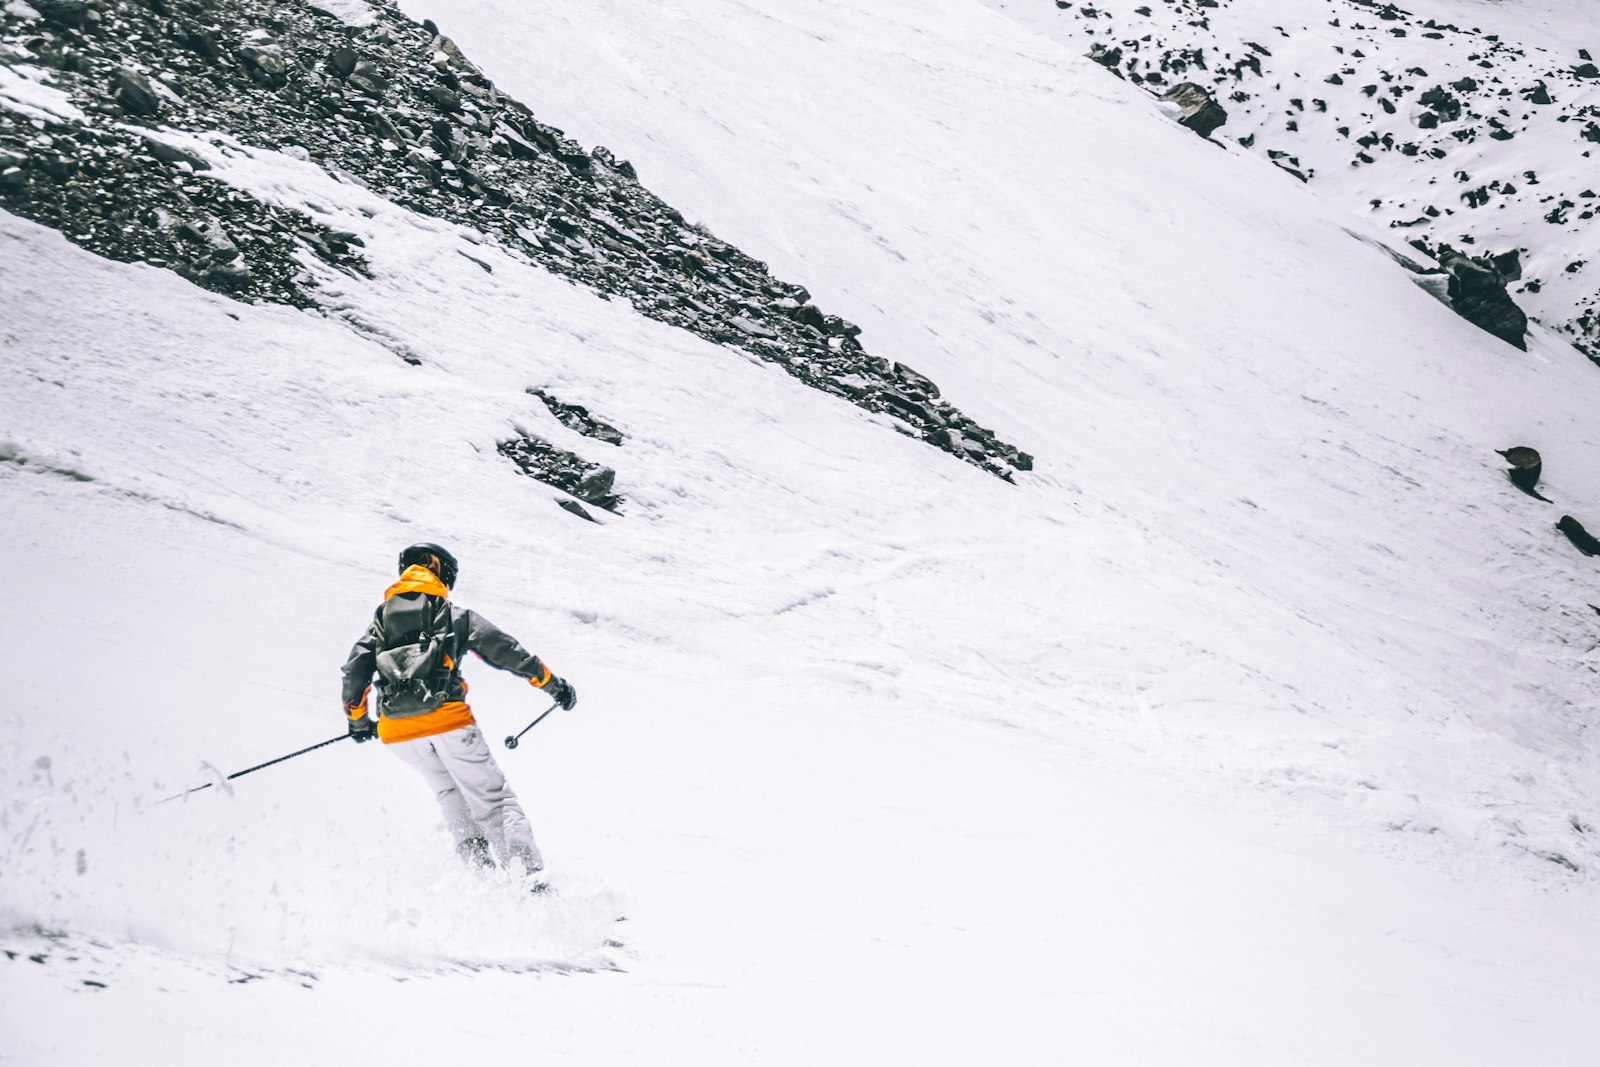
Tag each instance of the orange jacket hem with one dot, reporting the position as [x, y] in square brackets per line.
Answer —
[442, 719]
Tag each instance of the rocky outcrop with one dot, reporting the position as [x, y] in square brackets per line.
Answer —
[538, 458]
[1477, 290]
[577, 418]
[1581, 539]
[1196, 108]
[1525, 468]
[396, 106]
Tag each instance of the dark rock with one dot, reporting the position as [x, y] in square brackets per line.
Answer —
[1444, 106]
[1525, 468]
[369, 78]
[578, 418]
[751, 327]
[810, 315]
[515, 144]
[1477, 291]
[1586, 70]
[342, 60]
[595, 487]
[621, 166]
[204, 44]
[134, 94]
[1508, 265]
[444, 99]
[73, 14]
[568, 472]
[386, 128]
[577, 509]
[916, 384]
[1197, 108]
[1109, 58]
[168, 154]
[834, 326]
[907, 408]
[1581, 539]
[265, 54]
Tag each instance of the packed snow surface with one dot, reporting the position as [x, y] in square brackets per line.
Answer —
[1252, 727]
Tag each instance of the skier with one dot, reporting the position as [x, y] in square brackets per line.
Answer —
[415, 645]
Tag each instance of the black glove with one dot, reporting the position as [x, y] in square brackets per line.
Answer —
[362, 729]
[562, 692]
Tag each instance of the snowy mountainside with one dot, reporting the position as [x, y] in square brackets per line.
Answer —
[386, 103]
[1252, 725]
[1450, 122]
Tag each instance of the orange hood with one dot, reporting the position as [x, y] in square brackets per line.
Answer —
[417, 579]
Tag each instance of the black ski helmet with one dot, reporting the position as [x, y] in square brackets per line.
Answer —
[431, 556]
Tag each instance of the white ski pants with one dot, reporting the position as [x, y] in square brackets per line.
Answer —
[473, 794]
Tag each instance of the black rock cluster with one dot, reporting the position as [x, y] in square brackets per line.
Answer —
[397, 106]
[576, 417]
[131, 198]
[538, 458]
[591, 483]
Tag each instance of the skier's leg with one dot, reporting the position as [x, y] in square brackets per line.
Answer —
[466, 756]
[458, 820]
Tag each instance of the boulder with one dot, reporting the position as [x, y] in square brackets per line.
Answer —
[367, 77]
[1477, 291]
[1525, 468]
[1109, 58]
[168, 154]
[261, 51]
[1581, 539]
[73, 14]
[1195, 108]
[342, 60]
[1445, 107]
[134, 94]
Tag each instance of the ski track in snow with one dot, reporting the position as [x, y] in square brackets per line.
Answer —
[1243, 731]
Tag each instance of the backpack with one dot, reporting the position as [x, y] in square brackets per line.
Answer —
[415, 660]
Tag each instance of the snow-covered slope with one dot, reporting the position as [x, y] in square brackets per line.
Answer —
[1251, 727]
[1466, 123]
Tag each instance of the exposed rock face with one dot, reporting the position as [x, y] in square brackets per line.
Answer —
[396, 106]
[1197, 108]
[1475, 288]
[1477, 291]
[587, 481]
[576, 417]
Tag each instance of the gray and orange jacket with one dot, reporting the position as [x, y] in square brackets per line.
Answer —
[469, 631]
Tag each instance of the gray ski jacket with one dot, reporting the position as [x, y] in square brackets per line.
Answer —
[468, 632]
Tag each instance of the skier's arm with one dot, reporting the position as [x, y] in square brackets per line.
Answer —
[500, 649]
[358, 673]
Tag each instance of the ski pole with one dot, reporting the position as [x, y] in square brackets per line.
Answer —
[257, 767]
[511, 742]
